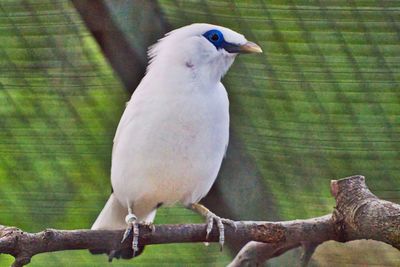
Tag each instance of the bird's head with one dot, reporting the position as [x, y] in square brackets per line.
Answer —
[202, 49]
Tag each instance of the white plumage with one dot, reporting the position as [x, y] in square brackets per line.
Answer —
[174, 132]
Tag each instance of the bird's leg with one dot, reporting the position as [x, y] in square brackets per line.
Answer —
[210, 217]
[133, 226]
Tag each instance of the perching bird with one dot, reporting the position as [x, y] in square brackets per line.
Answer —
[174, 132]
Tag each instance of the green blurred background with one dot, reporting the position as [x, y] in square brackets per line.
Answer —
[321, 103]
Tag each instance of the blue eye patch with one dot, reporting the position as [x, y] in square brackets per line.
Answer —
[217, 39]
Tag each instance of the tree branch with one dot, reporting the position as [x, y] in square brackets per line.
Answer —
[358, 215]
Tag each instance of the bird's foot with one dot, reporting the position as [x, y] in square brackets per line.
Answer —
[211, 217]
[133, 227]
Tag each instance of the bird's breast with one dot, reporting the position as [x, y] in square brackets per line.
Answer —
[169, 148]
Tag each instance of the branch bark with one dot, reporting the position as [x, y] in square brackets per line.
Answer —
[358, 215]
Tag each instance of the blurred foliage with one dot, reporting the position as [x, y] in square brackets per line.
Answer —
[321, 103]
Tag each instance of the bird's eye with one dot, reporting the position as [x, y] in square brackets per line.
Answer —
[214, 37]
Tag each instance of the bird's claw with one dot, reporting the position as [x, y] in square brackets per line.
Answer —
[127, 232]
[231, 223]
[129, 219]
[135, 240]
[220, 224]
[133, 227]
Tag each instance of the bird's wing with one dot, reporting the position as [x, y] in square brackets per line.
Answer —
[226, 149]
[122, 123]
[134, 105]
[222, 88]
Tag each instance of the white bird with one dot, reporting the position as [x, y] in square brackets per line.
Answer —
[173, 135]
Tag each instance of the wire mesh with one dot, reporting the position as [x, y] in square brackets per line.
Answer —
[321, 103]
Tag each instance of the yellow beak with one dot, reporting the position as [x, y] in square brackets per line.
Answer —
[250, 47]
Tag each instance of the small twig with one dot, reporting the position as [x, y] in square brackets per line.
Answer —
[308, 251]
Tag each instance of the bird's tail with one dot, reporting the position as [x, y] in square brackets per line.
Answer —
[112, 217]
